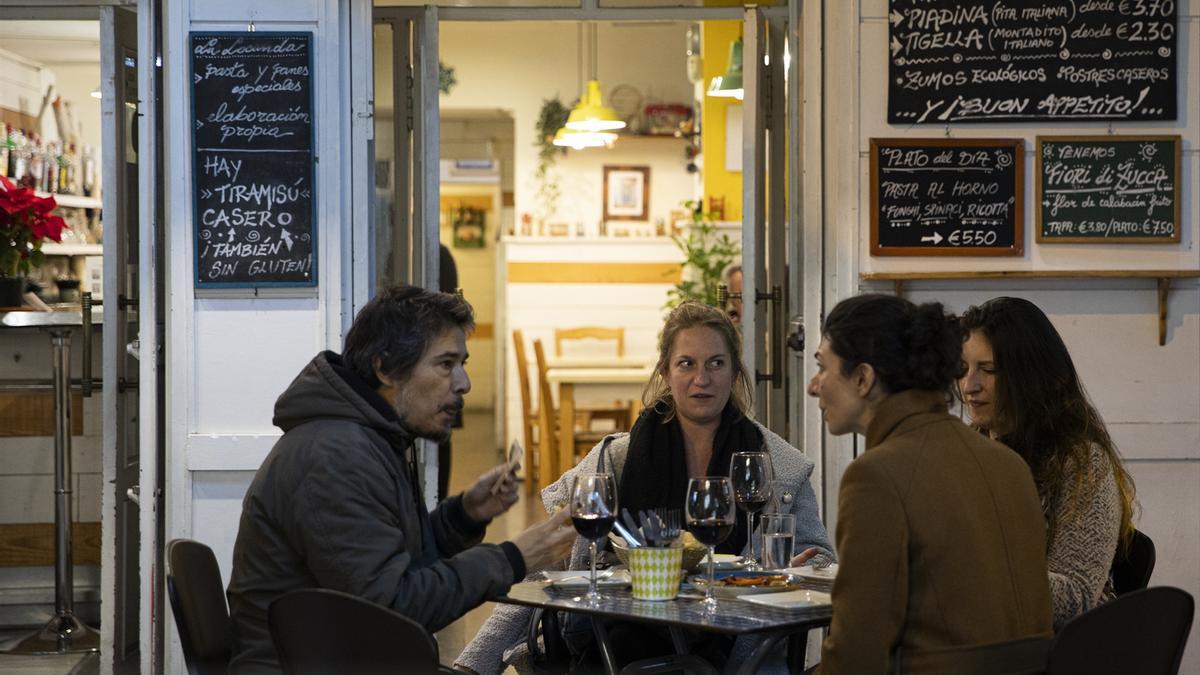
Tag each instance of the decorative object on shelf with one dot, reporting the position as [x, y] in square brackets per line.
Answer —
[25, 222]
[707, 255]
[626, 100]
[626, 192]
[729, 85]
[668, 119]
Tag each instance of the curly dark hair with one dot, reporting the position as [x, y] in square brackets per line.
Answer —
[909, 346]
[397, 326]
[1043, 411]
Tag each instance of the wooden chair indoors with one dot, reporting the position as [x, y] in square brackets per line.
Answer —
[529, 418]
[549, 422]
[618, 411]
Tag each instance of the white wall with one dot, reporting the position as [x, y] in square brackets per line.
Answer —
[1149, 395]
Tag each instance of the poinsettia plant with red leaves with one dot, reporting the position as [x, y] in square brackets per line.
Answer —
[25, 222]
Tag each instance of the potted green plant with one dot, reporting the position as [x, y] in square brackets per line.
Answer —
[707, 254]
[26, 221]
[551, 118]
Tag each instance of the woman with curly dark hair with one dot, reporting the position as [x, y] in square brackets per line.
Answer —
[939, 528]
[1021, 388]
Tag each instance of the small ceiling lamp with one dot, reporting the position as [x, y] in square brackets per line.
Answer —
[729, 85]
[580, 140]
[591, 114]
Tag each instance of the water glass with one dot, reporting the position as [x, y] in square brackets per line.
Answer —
[779, 540]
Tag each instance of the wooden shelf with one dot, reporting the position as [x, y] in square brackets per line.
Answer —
[1163, 277]
[73, 201]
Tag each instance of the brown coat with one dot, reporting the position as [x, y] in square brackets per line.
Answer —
[941, 539]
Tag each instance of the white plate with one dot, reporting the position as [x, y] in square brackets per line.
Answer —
[790, 599]
[700, 582]
[723, 562]
[813, 574]
[579, 578]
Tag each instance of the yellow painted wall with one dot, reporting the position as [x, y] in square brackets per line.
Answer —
[716, 38]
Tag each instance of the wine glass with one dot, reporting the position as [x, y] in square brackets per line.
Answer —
[751, 474]
[593, 510]
[710, 513]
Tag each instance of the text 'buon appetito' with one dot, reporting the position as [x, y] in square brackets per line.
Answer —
[945, 197]
[1031, 60]
[253, 130]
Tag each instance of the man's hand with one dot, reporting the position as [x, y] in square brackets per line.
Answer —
[804, 556]
[547, 542]
[492, 494]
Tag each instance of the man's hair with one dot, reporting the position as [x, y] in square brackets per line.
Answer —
[397, 326]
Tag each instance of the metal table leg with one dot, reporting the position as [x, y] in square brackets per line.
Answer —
[606, 654]
[64, 633]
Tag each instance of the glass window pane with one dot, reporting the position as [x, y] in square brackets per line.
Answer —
[478, 3]
[384, 263]
[687, 3]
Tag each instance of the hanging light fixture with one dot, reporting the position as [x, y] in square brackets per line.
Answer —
[591, 114]
[729, 85]
[581, 140]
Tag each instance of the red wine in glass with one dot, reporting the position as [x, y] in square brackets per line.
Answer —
[593, 510]
[710, 512]
[751, 474]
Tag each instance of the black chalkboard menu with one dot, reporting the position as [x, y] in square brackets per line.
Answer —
[947, 196]
[1031, 60]
[1108, 189]
[252, 138]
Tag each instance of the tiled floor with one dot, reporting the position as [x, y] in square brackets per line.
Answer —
[475, 450]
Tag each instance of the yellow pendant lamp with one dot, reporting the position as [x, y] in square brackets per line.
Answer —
[591, 114]
[580, 140]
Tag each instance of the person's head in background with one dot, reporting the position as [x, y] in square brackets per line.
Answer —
[875, 346]
[699, 369]
[733, 281]
[409, 345]
[1021, 387]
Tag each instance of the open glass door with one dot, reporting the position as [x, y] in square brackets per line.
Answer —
[132, 373]
[766, 286]
[404, 224]
[403, 156]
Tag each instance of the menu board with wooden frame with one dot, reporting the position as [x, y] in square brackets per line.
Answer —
[947, 196]
[1108, 189]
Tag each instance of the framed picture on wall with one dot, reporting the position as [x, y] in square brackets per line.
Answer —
[626, 193]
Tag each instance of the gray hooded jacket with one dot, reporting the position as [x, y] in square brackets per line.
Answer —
[336, 505]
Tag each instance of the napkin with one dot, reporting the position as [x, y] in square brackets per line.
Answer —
[579, 578]
[814, 574]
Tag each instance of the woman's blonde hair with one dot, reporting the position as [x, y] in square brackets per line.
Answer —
[657, 393]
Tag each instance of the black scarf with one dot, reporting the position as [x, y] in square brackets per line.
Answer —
[655, 473]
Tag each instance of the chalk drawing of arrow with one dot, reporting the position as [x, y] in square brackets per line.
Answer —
[199, 124]
[286, 238]
[935, 238]
[206, 193]
[897, 18]
[896, 47]
[198, 77]
[231, 235]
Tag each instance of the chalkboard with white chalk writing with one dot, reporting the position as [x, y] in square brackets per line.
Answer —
[252, 141]
[944, 196]
[1108, 189]
[1031, 60]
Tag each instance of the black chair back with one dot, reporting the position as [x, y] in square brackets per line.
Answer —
[1141, 632]
[322, 631]
[198, 603]
[1132, 572]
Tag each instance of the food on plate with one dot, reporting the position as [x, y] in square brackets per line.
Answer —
[756, 580]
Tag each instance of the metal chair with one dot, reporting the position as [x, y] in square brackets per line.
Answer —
[1131, 571]
[1140, 632]
[198, 603]
[318, 630]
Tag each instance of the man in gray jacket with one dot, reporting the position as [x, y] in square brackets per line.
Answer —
[338, 504]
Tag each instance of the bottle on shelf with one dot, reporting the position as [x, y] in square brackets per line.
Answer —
[5, 150]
